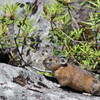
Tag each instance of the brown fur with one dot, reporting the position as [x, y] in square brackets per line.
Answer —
[72, 76]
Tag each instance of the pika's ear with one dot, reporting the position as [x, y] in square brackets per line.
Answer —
[63, 61]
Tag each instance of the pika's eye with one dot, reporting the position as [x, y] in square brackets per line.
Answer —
[62, 60]
[50, 59]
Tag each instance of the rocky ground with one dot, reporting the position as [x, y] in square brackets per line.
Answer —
[21, 84]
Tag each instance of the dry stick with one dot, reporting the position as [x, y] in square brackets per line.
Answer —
[12, 56]
[97, 31]
[96, 41]
[67, 46]
[31, 69]
[19, 52]
[24, 37]
[36, 90]
[18, 48]
[71, 38]
[71, 54]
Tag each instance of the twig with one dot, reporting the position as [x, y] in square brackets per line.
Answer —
[67, 46]
[30, 68]
[19, 52]
[71, 54]
[71, 38]
[36, 90]
[18, 33]
[12, 56]
[96, 41]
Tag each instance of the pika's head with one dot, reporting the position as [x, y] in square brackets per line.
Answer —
[54, 62]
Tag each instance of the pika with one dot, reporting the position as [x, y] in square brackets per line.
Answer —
[72, 76]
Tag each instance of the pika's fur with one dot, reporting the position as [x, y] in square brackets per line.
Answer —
[72, 76]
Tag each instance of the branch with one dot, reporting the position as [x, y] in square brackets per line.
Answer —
[31, 68]
[71, 38]
[19, 52]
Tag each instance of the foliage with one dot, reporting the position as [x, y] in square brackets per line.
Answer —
[80, 43]
[46, 73]
[23, 23]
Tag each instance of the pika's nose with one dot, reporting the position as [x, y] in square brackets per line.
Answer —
[44, 62]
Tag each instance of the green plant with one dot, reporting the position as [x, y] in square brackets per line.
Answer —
[86, 55]
[10, 11]
[15, 39]
[78, 44]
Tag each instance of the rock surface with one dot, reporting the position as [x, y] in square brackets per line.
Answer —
[21, 84]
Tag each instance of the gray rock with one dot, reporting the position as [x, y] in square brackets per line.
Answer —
[21, 84]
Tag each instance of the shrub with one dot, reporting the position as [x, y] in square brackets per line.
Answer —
[19, 37]
[80, 44]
